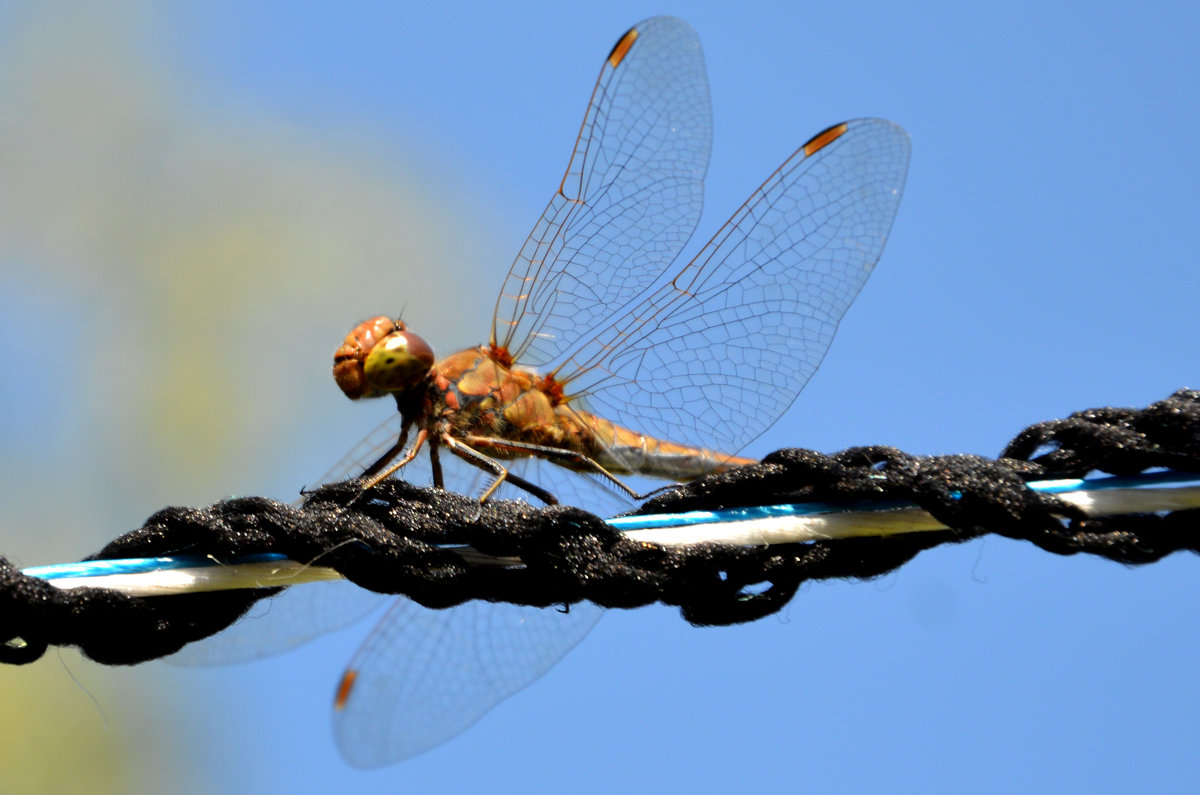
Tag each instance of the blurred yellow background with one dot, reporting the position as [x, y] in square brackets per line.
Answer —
[176, 270]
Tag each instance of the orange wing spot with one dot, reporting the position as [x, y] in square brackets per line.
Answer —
[621, 48]
[823, 139]
[344, 688]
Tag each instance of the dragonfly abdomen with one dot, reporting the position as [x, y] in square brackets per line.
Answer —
[627, 452]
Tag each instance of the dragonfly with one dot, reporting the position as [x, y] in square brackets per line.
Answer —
[605, 361]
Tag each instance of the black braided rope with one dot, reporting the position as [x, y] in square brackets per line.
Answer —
[390, 542]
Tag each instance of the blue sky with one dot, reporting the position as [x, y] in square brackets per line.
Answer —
[1037, 267]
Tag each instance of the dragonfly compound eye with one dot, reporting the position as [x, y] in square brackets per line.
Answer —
[397, 362]
[351, 357]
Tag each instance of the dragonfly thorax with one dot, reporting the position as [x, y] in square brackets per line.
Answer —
[380, 356]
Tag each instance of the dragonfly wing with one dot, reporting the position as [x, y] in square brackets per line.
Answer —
[423, 676]
[716, 355]
[629, 201]
[300, 614]
[366, 452]
[283, 622]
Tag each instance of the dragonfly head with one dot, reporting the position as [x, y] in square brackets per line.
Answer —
[379, 357]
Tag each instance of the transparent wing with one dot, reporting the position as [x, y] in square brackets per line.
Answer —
[717, 354]
[421, 676]
[297, 615]
[714, 357]
[424, 676]
[283, 622]
[629, 201]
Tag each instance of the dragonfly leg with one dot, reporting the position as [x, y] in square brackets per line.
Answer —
[391, 453]
[501, 473]
[580, 460]
[532, 488]
[435, 464]
[422, 435]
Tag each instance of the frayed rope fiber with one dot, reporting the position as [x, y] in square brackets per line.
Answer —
[391, 539]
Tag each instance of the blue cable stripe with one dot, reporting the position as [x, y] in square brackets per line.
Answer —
[97, 568]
